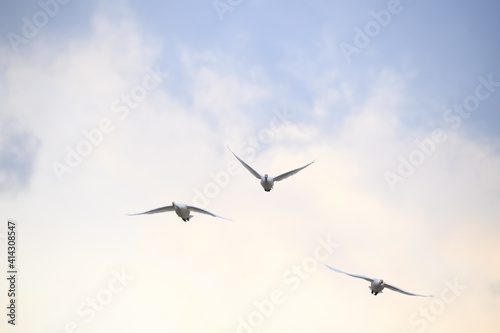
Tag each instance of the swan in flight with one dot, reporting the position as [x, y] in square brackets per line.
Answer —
[378, 285]
[267, 181]
[182, 210]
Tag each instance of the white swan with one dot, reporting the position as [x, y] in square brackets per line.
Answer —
[267, 181]
[182, 210]
[378, 285]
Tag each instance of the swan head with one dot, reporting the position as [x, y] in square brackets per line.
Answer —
[265, 176]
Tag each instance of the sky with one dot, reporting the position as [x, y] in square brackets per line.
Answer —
[116, 107]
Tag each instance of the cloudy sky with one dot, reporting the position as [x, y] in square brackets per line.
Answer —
[116, 107]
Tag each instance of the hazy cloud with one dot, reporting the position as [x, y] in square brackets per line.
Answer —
[18, 152]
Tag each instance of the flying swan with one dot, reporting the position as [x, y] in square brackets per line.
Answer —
[182, 210]
[267, 181]
[378, 285]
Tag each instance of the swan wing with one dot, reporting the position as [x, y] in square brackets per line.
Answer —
[157, 210]
[249, 168]
[202, 211]
[290, 173]
[399, 290]
[353, 275]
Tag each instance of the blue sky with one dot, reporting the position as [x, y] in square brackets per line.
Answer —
[119, 107]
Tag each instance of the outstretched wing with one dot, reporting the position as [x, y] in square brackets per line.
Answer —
[249, 168]
[157, 210]
[353, 275]
[202, 211]
[290, 173]
[389, 286]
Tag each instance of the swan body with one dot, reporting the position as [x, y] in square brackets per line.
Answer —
[377, 285]
[182, 210]
[267, 181]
